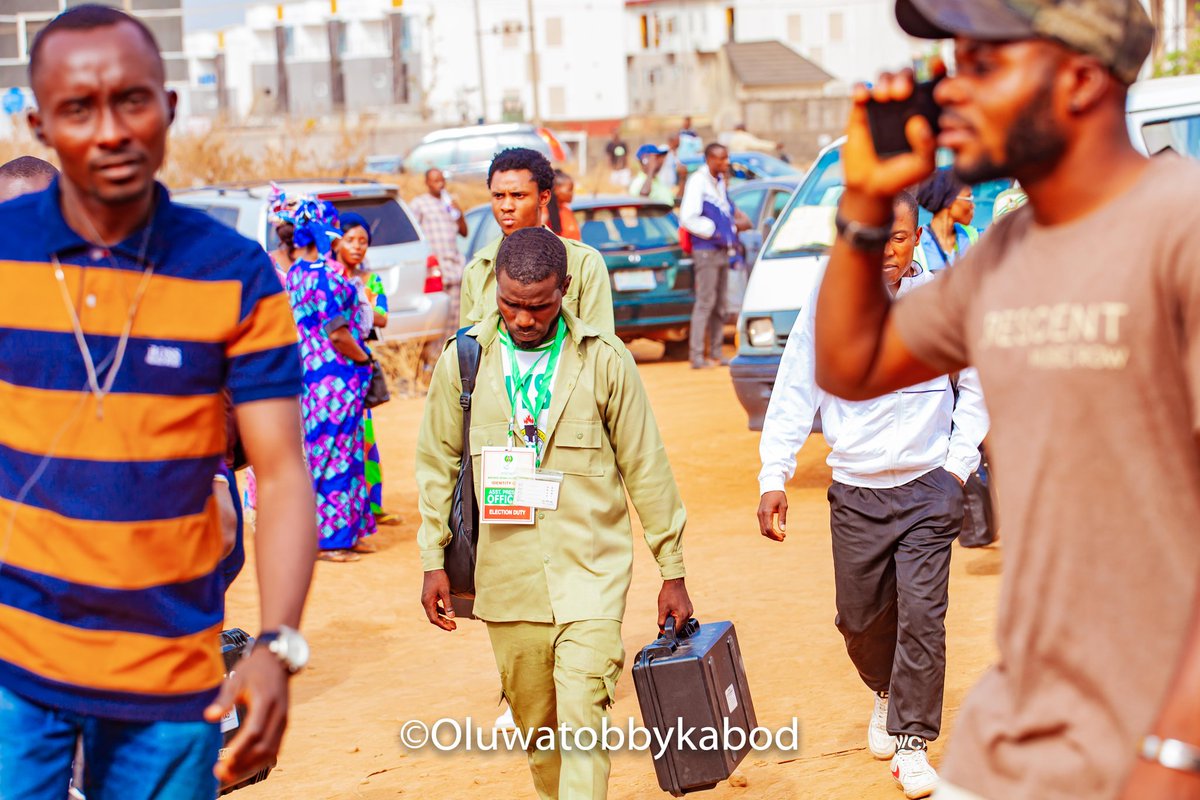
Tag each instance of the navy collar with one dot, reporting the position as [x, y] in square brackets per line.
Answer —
[61, 238]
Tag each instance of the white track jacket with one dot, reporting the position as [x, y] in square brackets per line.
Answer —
[877, 444]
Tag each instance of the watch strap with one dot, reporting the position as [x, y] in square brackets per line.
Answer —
[861, 236]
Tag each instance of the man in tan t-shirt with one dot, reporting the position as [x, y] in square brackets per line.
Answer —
[1081, 313]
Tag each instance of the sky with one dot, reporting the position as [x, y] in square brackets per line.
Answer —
[200, 15]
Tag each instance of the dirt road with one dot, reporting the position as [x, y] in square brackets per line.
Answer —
[378, 663]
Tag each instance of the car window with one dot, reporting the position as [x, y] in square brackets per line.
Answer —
[488, 230]
[806, 224]
[778, 203]
[389, 224]
[1181, 135]
[628, 227]
[749, 202]
[434, 154]
[226, 215]
[475, 149]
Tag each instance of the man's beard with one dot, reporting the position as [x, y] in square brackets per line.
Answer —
[1033, 147]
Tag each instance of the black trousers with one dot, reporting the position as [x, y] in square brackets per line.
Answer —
[891, 563]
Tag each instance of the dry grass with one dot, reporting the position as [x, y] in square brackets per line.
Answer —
[407, 366]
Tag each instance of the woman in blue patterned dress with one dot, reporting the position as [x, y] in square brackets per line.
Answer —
[337, 373]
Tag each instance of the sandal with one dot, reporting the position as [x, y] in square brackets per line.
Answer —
[387, 518]
[365, 546]
[338, 556]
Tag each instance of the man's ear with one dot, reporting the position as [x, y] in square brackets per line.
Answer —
[172, 102]
[917, 235]
[566, 284]
[34, 118]
[544, 197]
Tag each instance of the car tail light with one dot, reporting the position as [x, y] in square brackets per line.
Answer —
[433, 275]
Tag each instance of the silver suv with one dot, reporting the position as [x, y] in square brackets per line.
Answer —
[398, 251]
[466, 153]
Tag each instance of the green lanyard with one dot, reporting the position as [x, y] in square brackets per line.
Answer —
[521, 383]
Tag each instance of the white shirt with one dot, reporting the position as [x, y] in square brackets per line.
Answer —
[538, 359]
[701, 186]
[876, 444]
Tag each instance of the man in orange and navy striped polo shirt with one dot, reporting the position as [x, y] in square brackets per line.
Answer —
[122, 318]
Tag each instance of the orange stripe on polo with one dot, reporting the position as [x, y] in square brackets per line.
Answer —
[136, 427]
[268, 326]
[112, 555]
[172, 308]
[111, 660]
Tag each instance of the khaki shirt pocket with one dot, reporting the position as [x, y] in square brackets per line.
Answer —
[576, 448]
[494, 434]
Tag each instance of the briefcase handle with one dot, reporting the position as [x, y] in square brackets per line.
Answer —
[690, 628]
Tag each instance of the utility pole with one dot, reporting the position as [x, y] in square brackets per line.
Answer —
[533, 67]
[483, 107]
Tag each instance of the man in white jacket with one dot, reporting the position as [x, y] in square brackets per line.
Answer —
[896, 505]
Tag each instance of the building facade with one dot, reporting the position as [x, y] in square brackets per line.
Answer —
[20, 21]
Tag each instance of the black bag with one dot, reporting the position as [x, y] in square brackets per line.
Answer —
[694, 679]
[979, 514]
[377, 392]
[464, 513]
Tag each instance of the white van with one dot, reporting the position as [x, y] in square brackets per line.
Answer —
[1162, 113]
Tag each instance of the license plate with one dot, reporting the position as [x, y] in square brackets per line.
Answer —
[634, 280]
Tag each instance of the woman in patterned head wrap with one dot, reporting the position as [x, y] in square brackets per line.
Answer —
[337, 373]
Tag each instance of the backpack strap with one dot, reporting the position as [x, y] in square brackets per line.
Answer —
[469, 353]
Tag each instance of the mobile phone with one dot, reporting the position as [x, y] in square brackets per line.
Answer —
[887, 120]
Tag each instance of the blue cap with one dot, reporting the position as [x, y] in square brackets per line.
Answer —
[651, 150]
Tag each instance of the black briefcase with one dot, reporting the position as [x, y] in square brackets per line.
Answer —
[695, 679]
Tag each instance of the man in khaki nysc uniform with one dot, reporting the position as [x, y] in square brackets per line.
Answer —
[552, 592]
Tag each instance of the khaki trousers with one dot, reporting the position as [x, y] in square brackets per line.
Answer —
[561, 674]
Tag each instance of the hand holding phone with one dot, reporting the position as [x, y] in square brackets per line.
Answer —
[871, 176]
[887, 120]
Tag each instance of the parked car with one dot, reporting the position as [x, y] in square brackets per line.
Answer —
[791, 259]
[762, 201]
[465, 153]
[398, 253]
[1165, 113]
[639, 240]
[749, 166]
[387, 164]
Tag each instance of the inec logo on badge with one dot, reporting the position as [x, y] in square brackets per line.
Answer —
[508, 459]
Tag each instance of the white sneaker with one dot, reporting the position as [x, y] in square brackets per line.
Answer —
[911, 770]
[881, 743]
[505, 721]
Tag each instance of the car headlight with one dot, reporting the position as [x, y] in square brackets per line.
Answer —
[760, 332]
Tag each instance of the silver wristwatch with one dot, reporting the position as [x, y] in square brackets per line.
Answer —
[1171, 753]
[288, 645]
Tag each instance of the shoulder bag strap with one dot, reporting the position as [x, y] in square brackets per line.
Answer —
[468, 367]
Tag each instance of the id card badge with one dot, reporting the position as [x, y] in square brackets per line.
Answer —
[503, 467]
[541, 491]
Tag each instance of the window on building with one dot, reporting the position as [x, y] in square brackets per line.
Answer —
[558, 101]
[645, 23]
[168, 32]
[9, 45]
[795, 28]
[554, 32]
[837, 22]
[32, 27]
[512, 34]
[730, 24]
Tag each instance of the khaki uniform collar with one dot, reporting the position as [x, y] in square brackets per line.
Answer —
[488, 330]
